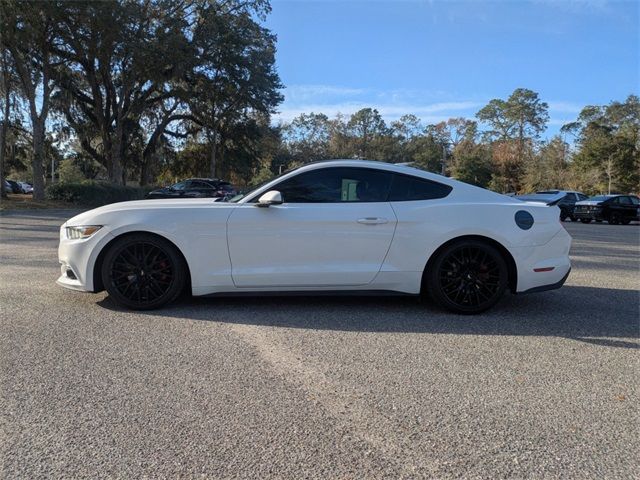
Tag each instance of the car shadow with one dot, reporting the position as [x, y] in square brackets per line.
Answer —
[599, 316]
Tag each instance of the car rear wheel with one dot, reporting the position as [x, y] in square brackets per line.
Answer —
[467, 277]
[143, 272]
[585, 220]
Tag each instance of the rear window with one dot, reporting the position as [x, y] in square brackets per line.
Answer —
[405, 188]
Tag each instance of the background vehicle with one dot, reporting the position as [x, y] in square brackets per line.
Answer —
[615, 209]
[343, 225]
[26, 187]
[563, 199]
[194, 188]
[14, 186]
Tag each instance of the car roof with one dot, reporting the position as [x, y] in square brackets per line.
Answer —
[461, 188]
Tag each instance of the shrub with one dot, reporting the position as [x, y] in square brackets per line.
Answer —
[92, 193]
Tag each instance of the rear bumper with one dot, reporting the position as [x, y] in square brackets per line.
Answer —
[545, 266]
[551, 286]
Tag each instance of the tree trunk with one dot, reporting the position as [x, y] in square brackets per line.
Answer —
[212, 157]
[37, 164]
[116, 172]
[4, 128]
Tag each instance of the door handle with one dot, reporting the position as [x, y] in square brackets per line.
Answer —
[372, 220]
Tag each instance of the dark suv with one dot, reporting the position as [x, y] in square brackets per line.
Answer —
[564, 199]
[615, 209]
[195, 188]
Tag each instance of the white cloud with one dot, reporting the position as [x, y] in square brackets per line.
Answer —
[566, 107]
[392, 104]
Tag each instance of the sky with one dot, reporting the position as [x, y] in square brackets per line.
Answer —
[442, 59]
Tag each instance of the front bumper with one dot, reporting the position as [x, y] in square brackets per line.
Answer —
[78, 257]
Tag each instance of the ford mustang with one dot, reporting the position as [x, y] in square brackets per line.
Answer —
[342, 225]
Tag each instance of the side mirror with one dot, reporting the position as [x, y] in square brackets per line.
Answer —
[272, 197]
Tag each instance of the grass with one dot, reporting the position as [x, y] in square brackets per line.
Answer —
[26, 202]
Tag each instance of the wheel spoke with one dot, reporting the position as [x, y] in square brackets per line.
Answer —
[470, 276]
[142, 272]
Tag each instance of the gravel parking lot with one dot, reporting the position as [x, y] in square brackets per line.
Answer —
[543, 386]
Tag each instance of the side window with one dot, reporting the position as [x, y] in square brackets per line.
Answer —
[179, 186]
[582, 197]
[336, 185]
[635, 201]
[200, 185]
[406, 188]
[624, 200]
[568, 199]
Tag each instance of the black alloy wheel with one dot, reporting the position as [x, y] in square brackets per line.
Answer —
[468, 277]
[143, 272]
[614, 219]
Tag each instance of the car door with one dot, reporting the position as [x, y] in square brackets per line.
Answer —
[334, 228]
[627, 208]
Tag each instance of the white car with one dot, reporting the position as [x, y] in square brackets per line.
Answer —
[343, 225]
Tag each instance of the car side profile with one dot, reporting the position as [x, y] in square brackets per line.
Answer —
[337, 226]
[615, 209]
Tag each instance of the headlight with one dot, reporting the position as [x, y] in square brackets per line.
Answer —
[76, 233]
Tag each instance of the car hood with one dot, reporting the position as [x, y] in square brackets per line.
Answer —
[92, 217]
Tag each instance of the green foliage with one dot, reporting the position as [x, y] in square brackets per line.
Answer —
[70, 172]
[472, 164]
[609, 148]
[91, 193]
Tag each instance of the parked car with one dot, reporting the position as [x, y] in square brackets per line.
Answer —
[615, 209]
[15, 186]
[342, 225]
[194, 188]
[563, 199]
[26, 187]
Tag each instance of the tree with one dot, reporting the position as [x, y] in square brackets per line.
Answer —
[472, 163]
[549, 168]
[124, 61]
[29, 34]
[307, 137]
[366, 128]
[514, 124]
[609, 148]
[235, 73]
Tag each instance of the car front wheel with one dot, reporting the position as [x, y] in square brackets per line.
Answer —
[585, 220]
[143, 272]
[467, 277]
[614, 219]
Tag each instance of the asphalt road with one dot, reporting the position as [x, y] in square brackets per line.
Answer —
[543, 386]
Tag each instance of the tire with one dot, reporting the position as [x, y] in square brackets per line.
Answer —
[598, 221]
[585, 220]
[467, 277]
[614, 219]
[563, 218]
[625, 222]
[125, 279]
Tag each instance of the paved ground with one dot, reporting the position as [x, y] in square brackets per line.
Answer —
[544, 386]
